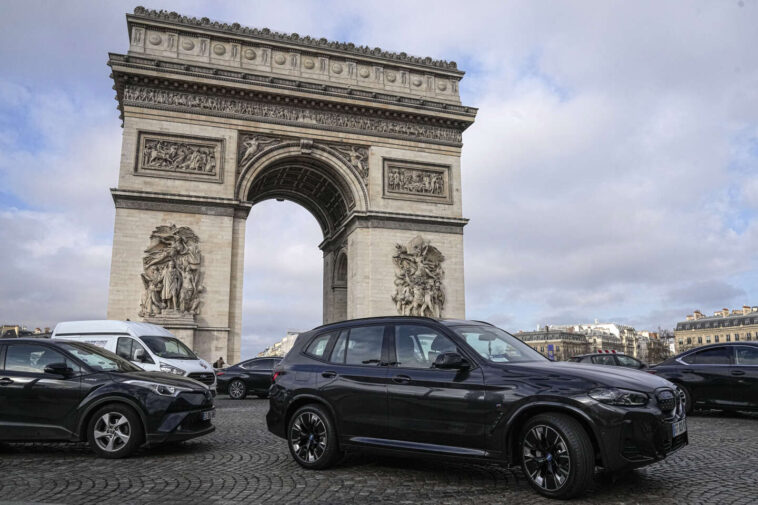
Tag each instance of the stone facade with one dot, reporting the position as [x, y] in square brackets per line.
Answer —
[739, 325]
[219, 117]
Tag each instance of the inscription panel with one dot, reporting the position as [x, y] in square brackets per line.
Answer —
[180, 157]
[417, 181]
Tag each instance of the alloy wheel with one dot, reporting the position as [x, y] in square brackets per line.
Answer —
[546, 458]
[112, 431]
[236, 389]
[308, 437]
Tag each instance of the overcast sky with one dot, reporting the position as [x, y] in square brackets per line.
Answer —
[611, 174]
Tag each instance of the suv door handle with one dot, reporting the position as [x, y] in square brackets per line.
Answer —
[738, 372]
[401, 379]
[5, 381]
[329, 375]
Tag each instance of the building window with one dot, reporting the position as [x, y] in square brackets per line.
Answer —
[681, 342]
[699, 340]
[728, 338]
[736, 337]
[708, 339]
[749, 336]
[689, 341]
[557, 348]
[716, 338]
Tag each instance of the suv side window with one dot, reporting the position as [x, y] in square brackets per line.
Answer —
[33, 358]
[604, 359]
[338, 353]
[747, 355]
[318, 346]
[716, 356]
[364, 345]
[628, 362]
[418, 346]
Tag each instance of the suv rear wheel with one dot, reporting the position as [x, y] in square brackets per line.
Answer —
[557, 455]
[114, 431]
[312, 438]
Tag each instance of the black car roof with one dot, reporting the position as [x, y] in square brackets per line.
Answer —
[380, 319]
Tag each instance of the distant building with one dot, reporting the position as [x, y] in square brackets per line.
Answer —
[282, 347]
[558, 344]
[724, 326]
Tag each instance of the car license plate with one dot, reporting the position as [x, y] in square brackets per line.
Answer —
[207, 415]
[678, 428]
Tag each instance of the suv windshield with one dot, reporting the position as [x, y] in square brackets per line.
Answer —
[497, 345]
[168, 347]
[98, 358]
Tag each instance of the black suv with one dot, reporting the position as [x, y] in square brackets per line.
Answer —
[56, 390]
[468, 389]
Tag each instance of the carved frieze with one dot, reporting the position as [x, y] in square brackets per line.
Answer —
[171, 273]
[180, 157]
[286, 114]
[419, 289]
[417, 181]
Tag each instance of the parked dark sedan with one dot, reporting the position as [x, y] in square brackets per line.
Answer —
[610, 358]
[468, 389]
[721, 376]
[70, 391]
[251, 376]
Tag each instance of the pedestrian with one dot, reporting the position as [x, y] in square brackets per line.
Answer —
[219, 363]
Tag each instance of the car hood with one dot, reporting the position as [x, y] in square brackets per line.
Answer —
[161, 378]
[189, 365]
[599, 375]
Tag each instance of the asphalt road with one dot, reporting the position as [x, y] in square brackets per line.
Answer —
[242, 463]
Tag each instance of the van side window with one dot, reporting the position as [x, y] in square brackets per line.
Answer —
[127, 348]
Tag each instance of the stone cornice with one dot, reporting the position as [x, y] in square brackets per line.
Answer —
[124, 63]
[164, 94]
[264, 34]
[173, 202]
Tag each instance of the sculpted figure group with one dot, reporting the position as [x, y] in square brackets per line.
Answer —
[405, 180]
[177, 156]
[171, 275]
[418, 279]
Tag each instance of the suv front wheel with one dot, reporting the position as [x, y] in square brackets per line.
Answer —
[312, 438]
[557, 455]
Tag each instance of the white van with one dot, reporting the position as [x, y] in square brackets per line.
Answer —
[148, 346]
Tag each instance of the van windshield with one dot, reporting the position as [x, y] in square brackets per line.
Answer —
[168, 347]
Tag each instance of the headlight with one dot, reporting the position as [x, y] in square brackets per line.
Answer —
[161, 389]
[622, 397]
[165, 367]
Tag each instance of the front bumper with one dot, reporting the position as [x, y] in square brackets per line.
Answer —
[178, 426]
[639, 437]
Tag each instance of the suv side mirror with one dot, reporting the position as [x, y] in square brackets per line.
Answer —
[448, 360]
[59, 369]
[139, 355]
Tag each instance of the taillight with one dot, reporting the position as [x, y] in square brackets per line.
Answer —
[276, 374]
[220, 373]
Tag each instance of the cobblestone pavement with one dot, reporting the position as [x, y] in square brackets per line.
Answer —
[242, 463]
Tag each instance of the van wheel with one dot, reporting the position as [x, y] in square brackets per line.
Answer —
[115, 431]
[237, 390]
[312, 438]
[557, 456]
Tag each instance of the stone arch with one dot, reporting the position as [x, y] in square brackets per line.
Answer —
[313, 175]
[339, 295]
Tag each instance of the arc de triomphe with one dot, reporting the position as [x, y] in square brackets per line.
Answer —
[218, 117]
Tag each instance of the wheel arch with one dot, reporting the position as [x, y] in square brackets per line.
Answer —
[526, 412]
[305, 399]
[90, 409]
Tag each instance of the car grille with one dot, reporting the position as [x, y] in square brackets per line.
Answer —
[667, 400]
[204, 377]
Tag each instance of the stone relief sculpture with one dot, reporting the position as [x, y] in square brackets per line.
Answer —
[181, 100]
[410, 180]
[251, 144]
[178, 156]
[358, 158]
[418, 279]
[171, 275]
